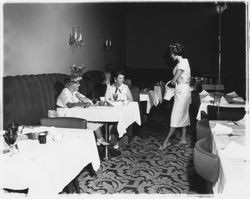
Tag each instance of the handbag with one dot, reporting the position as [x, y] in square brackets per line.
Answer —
[169, 92]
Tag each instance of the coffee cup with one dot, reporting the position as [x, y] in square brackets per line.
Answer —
[42, 137]
[102, 99]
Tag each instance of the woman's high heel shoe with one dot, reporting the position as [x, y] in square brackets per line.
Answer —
[182, 142]
[101, 141]
[162, 147]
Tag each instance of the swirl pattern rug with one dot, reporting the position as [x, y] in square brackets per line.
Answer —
[143, 168]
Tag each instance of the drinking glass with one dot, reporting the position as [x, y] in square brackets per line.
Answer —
[94, 100]
[115, 96]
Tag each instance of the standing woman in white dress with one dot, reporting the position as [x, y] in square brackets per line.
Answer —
[182, 98]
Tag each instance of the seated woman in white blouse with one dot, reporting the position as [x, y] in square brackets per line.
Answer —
[70, 97]
[118, 92]
[118, 89]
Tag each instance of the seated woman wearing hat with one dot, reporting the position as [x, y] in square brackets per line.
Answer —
[70, 97]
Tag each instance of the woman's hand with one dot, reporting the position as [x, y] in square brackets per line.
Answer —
[107, 82]
[171, 85]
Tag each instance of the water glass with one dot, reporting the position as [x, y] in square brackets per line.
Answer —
[115, 96]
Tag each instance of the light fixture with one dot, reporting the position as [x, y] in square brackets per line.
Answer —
[76, 38]
[107, 45]
[220, 7]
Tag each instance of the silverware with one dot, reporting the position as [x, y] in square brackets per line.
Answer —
[230, 135]
[235, 123]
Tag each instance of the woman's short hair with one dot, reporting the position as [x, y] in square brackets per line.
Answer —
[176, 48]
[119, 72]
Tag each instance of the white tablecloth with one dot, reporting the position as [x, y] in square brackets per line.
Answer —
[152, 97]
[204, 104]
[234, 162]
[124, 115]
[157, 95]
[47, 168]
[148, 97]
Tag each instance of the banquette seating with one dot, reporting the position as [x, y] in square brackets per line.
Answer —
[206, 164]
[27, 98]
[225, 113]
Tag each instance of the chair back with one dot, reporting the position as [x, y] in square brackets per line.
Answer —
[203, 129]
[206, 164]
[225, 113]
[65, 122]
[135, 93]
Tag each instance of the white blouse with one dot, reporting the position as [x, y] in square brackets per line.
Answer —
[122, 91]
[67, 97]
[183, 65]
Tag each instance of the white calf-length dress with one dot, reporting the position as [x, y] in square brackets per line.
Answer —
[182, 98]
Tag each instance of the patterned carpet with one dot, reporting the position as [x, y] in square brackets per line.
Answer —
[143, 168]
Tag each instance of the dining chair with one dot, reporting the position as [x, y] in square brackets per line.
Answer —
[67, 122]
[206, 164]
[203, 129]
[225, 113]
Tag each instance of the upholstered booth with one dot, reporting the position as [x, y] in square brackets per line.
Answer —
[27, 98]
[206, 164]
[64, 122]
[202, 129]
[225, 113]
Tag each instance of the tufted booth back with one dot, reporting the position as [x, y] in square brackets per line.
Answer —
[27, 98]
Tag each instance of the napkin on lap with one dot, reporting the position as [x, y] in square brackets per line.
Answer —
[238, 99]
[233, 93]
[223, 100]
[204, 92]
[220, 129]
[207, 98]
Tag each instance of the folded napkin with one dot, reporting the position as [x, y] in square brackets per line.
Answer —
[238, 99]
[220, 129]
[204, 92]
[37, 129]
[235, 151]
[232, 94]
[207, 98]
[223, 100]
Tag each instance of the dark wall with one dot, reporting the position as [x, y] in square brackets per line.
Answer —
[233, 46]
[151, 27]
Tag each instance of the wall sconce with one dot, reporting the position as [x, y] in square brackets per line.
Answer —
[220, 7]
[107, 45]
[75, 38]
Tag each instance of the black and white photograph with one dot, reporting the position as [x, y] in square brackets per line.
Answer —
[124, 99]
